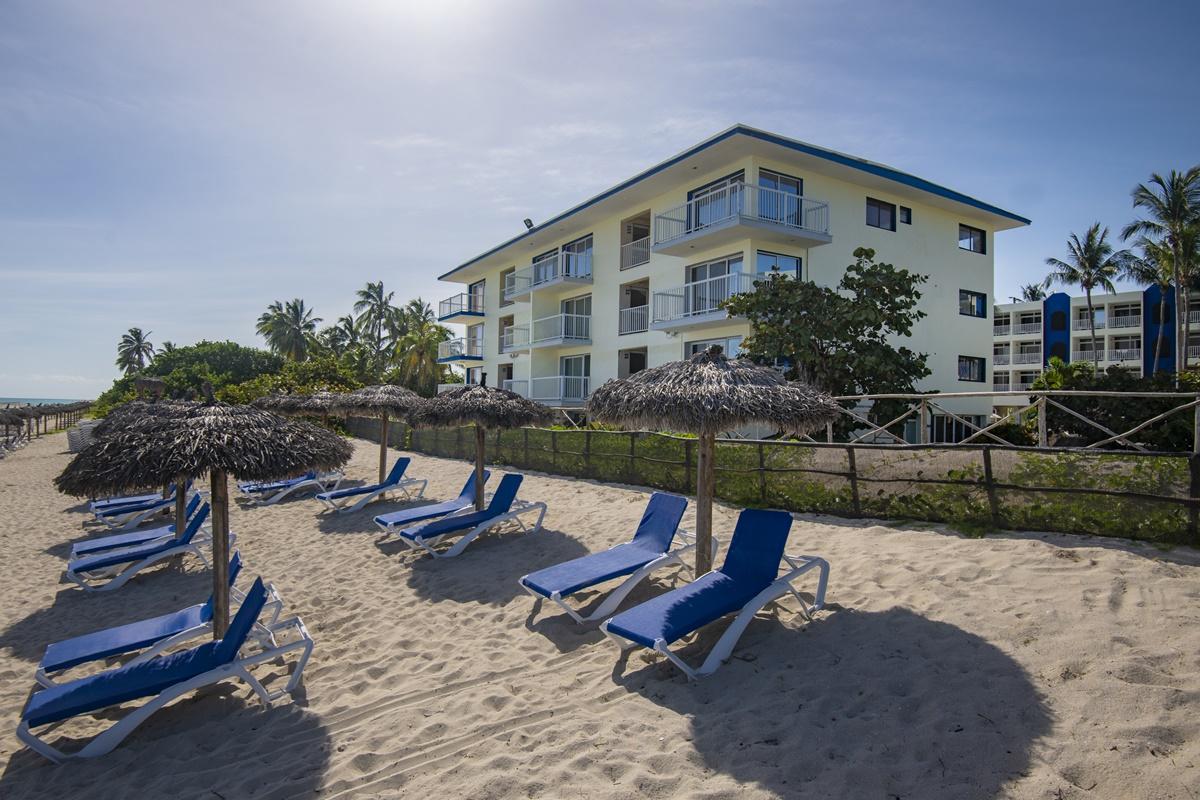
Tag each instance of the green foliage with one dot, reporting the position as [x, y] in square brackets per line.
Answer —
[303, 377]
[134, 350]
[289, 328]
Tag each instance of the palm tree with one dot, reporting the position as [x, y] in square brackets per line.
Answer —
[1172, 204]
[378, 315]
[341, 336]
[289, 328]
[1031, 293]
[1155, 267]
[134, 350]
[1091, 264]
[417, 354]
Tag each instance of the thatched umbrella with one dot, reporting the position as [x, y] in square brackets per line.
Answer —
[484, 407]
[383, 401]
[212, 438]
[706, 395]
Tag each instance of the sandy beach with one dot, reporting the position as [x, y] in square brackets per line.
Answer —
[1013, 666]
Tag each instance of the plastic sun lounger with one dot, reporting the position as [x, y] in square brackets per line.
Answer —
[337, 500]
[166, 678]
[396, 520]
[108, 503]
[270, 492]
[747, 581]
[151, 636]
[124, 517]
[503, 507]
[650, 550]
[100, 544]
[111, 570]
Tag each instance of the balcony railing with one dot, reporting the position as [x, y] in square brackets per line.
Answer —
[737, 200]
[445, 387]
[1001, 387]
[1078, 324]
[520, 387]
[1001, 330]
[633, 320]
[1027, 327]
[1125, 321]
[1193, 351]
[1127, 354]
[1193, 316]
[1027, 358]
[1001, 359]
[460, 348]
[548, 270]
[635, 253]
[1087, 355]
[464, 303]
[559, 388]
[514, 338]
[701, 297]
[562, 328]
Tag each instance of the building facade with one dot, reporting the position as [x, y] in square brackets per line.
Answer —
[635, 276]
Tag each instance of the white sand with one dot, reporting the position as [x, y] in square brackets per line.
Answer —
[1021, 666]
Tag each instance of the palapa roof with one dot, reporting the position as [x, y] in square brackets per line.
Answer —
[249, 443]
[485, 406]
[378, 400]
[136, 412]
[710, 393]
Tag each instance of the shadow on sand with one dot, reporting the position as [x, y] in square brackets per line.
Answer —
[856, 704]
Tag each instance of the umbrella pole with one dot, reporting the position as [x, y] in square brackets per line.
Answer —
[180, 505]
[383, 441]
[479, 447]
[219, 497]
[705, 479]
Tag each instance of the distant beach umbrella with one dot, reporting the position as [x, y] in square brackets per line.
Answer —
[708, 394]
[383, 401]
[484, 407]
[211, 438]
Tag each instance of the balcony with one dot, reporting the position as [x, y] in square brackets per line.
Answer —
[1125, 321]
[737, 211]
[460, 350]
[635, 253]
[1001, 359]
[1027, 328]
[695, 305]
[1127, 354]
[1027, 358]
[446, 387]
[561, 329]
[1087, 355]
[514, 339]
[1083, 325]
[633, 320]
[569, 269]
[1001, 330]
[1001, 387]
[461, 305]
[519, 387]
[560, 390]
[1193, 317]
[1193, 351]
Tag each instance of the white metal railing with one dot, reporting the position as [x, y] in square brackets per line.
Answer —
[547, 270]
[1001, 359]
[1087, 355]
[565, 327]
[1027, 358]
[701, 297]
[739, 200]
[1193, 316]
[1078, 324]
[1023, 387]
[1001, 330]
[633, 320]
[464, 303]
[520, 387]
[1125, 321]
[1193, 351]
[1001, 387]
[1128, 354]
[514, 337]
[518, 283]
[635, 253]
[559, 388]
[461, 348]
[1027, 327]
[445, 387]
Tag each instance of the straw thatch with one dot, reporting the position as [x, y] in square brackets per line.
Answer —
[710, 393]
[375, 401]
[484, 406]
[137, 412]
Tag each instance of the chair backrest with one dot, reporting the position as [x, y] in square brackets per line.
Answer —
[194, 524]
[657, 529]
[506, 492]
[241, 624]
[235, 567]
[468, 490]
[397, 471]
[757, 546]
[192, 505]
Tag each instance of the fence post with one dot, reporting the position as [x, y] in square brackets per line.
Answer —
[587, 453]
[1041, 414]
[1196, 426]
[554, 450]
[852, 464]
[762, 475]
[458, 447]
[687, 466]
[632, 453]
[496, 458]
[923, 423]
[828, 433]
[1194, 493]
[990, 485]
[526, 464]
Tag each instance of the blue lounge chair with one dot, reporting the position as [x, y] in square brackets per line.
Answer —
[336, 500]
[164, 679]
[503, 507]
[650, 550]
[129, 500]
[104, 572]
[271, 492]
[748, 580]
[126, 516]
[100, 544]
[397, 520]
[151, 636]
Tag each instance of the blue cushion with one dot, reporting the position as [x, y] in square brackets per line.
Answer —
[393, 478]
[112, 502]
[274, 486]
[134, 508]
[502, 501]
[92, 546]
[757, 546]
[132, 554]
[407, 515]
[123, 638]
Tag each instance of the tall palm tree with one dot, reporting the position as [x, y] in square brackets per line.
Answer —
[1091, 264]
[1172, 204]
[288, 328]
[1155, 267]
[378, 317]
[1031, 293]
[134, 350]
[417, 354]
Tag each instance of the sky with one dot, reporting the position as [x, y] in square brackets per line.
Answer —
[178, 166]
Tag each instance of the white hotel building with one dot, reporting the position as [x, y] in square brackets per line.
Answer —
[635, 276]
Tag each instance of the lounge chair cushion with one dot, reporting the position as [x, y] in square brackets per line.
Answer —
[393, 479]
[273, 486]
[131, 554]
[408, 515]
[81, 549]
[501, 502]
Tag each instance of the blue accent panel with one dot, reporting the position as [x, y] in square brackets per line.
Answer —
[863, 165]
[1055, 309]
[1151, 330]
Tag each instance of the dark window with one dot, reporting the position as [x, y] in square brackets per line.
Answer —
[1058, 321]
[906, 215]
[1058, 350]
[504, 282]
[881, 214]
[476, 294]
[777, 262]
[946, 429]
[971, 368]
[972, 304]
[972, 239]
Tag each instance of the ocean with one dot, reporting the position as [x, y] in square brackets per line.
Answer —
[32, 401]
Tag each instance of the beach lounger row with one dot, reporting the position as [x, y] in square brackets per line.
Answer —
[270, 492]
[124, 513]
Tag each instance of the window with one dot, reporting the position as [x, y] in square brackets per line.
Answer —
[476, 292]
[971, 368]
[779, 198]
[906, 215]
[711, 284]
[715, 201]
[881, 214]
[972, 304]
[473, 375]
[503, 282]
[577, 258]
[1058, 321]
[777, 262]
[545, 267]
[947, 429]
[972, 239]
[732, 346]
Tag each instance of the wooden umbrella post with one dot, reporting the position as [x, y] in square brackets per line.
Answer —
[220, 551]
[180, 505]
[479, 448]
[383, 444]
[705, 478]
